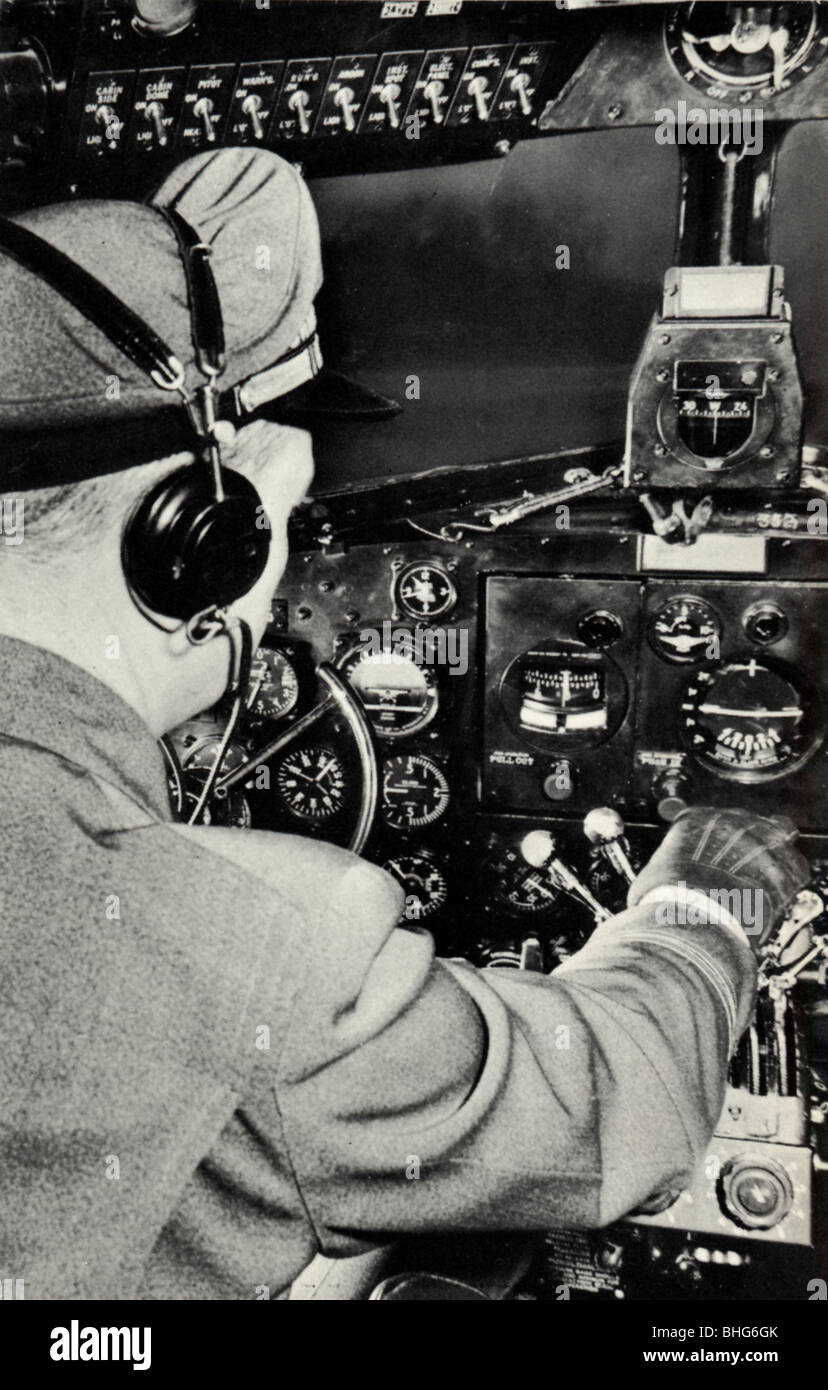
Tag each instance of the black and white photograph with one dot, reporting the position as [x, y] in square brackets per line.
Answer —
[413, 670]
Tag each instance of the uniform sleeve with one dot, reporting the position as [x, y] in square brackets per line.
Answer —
[417, 1094]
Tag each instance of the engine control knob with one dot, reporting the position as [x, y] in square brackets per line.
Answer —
[204, 110]
[344, 99]
[251, 106]
[300, 103]
[671, 790]
[161, 18]
[519, 85]
[155, 116]
[479, 89]
[433, 91]
[539, 849]
[604, 827]
[390, 97]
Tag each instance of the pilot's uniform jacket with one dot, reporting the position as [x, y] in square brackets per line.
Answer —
[219, 1054]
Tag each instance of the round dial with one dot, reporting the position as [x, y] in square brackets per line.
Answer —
[756, 1192]
[685, 629]
[398, 692]
[424, 591]
[415, 791]
[311, 782]
[518, 886]
[423, 881]
[273, 688]
[762, 48]
[197, 763]
[744, 721]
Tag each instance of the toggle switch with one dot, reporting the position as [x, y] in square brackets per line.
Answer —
[344, 99]
[519, 85]
[299, 102]
[390, 97]
[107, 117]
[203, 109]
[479, 89]
[155, 115]
[251, 106]
[433, 91]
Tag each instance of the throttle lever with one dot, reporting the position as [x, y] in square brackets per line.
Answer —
[539, 849]
[605, 829]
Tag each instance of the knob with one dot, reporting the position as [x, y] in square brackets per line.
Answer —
[344, 99]
[756, 1193]
[539, 849]
[155, 115]
[671, 790]
[204, 110]
[519, 85]
[300, 103]
[600, 628]
[765, 623]
[161, 18]
[251, 106]
[390, 95]
[433, 91]
[559, 783]
[604, 827]
[479, 89]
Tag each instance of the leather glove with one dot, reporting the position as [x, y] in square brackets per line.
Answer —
[747, 861]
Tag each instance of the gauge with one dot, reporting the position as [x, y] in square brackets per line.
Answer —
[311, 782]
[748, 47]
[745, 720]
[685, 630]
[563, 695]
[423, 881]
[517, 885]
[197, 759]
[415, 791]
[424, 591]
[398, 692]
[273, 688]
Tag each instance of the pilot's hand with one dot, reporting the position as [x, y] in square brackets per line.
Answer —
[747, 863]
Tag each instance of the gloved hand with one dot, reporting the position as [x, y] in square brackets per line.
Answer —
[745, 862]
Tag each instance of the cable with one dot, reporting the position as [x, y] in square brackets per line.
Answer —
[241, 653]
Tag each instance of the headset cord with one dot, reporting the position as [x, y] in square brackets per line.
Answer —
[241, 655]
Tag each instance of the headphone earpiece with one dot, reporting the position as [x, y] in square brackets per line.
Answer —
[184, 551]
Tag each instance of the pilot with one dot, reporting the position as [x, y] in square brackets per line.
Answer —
[220, 1054]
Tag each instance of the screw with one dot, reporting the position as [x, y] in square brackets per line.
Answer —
[773, 374]
[663, 375]
[783, 475]
[640, 476]
[503, 147]
[303, 613]
[614, 111]
[660, 451]
[777, 337]
[326, 586]
[767, 451]
[664, 338]
[352, 615]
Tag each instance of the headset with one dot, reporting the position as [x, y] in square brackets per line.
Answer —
[199, 539]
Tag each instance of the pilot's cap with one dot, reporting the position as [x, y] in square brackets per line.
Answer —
[73, 406]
